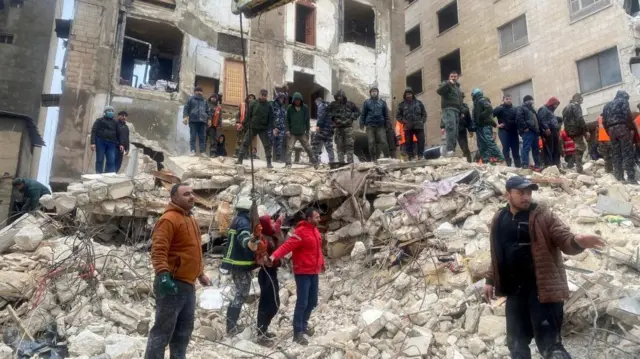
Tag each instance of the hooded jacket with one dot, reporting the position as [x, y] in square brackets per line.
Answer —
[221, 150]
[271, 230]
[176, 246]
[411, 113]
[107, 129]
[323, 121]
[450, 95]
[546, 118]
[297, 122]
[482, 111]
[260, 116]
[279, 111]
[617, 112]
[506, 114]
[197, 109]
[342, 115]
[527, 119]
[306, 245]
[374, 112]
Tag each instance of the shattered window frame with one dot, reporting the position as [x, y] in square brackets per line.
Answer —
[579, 10]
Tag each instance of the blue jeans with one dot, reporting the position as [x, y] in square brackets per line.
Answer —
[307, 292]
[510, 144]
[105, 149]
[530, 143]
[197, 129]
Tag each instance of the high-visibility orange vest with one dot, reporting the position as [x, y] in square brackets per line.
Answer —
[400, 133]
[603, 136]
[637, 126]
[216, 117]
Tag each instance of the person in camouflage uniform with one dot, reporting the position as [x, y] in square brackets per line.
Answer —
[451, 102]
[576, 128]
[342, 114]
[413, 116]
[618, 122]
[278, 142]
[240, 117]
[324, 132]
[483, 119]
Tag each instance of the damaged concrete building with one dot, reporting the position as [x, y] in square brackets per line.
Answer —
[146, 56]
[541, 48]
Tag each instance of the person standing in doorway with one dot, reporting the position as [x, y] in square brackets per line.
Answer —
[508, 131]
[618, 122]
[197, 114]
[375, 117]
[241, 129]
[550, 130]
[451, 102]
[576, 128]
[413, 116]
[527, 242]
[342, 115]
[297, 126]
[306, 245]
[214, 124]
[529, 129]
[176, 254]
[324, 132]
[279, 142]
[105, 141]
[123, 116]
[466, 128]
[260, 123]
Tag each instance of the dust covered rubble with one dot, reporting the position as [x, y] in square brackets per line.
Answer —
[408, 246]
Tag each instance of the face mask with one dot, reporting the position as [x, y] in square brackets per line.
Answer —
[108, 114]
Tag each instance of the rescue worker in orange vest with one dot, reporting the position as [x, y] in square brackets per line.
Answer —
[214, 123]
[604, 146]
[402, 141]
[240, 117]
[636, 137]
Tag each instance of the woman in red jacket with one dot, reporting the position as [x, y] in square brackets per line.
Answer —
[306, 245]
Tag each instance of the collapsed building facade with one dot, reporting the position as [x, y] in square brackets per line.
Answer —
[538, 48]
[146, 56]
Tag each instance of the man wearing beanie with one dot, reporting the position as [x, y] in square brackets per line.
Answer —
[106, 139]
[260, 122]
[529, 129]
[550, 131]
[375, 116]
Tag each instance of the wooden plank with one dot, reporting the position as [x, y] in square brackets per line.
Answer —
[15, 317]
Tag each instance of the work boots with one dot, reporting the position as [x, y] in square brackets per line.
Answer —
[232, 321]
[240, 158]
[300, 339]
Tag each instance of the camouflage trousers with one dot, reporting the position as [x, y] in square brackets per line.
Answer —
[242, 282]
[239, 139]
[278, 143]
[622, 152]
[344, 142]
[581, 148]
[323, 138]
[604, 149]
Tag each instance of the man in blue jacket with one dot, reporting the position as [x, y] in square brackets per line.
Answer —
[508, 131]
[375, 117]
[196, 114]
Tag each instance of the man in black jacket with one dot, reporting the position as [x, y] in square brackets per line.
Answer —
[106, 139]
[508, 131]
[529, 129]
[465, 125]
[124, 136]
[550, 132]
[197, 114]
[261, 121]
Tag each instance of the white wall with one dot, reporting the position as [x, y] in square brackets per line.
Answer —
[218, 13]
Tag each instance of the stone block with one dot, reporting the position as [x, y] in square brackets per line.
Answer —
[86, 343]
[491, 327]
[65, 202]
[417, 346]
[29, 237]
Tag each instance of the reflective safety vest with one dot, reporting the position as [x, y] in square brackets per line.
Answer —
[400, 133]
[237, 253]
[637, 127]
[215, 120]
[603, 136]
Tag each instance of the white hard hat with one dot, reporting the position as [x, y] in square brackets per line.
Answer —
[243, 203]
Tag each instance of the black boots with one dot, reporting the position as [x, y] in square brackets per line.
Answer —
[233, 314]
[300, 339]
[269, 165]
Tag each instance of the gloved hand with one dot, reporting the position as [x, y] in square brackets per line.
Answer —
[166, 285]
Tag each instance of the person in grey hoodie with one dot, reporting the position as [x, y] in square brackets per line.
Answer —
[196, 114]
[451, 103]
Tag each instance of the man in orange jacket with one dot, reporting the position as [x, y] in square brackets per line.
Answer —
[176, 254]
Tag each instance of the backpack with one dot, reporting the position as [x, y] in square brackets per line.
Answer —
[571, 125]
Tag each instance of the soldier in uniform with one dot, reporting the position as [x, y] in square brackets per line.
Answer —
[618, 122]
[342, 114]
[576, 128]
[324, 131]
[278, 142]
[240, 117]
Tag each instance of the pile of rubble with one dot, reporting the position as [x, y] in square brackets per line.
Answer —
[408, 246]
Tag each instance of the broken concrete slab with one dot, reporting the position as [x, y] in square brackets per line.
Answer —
[86, 343]
[29, 237]
[117, 186]
[610, 205]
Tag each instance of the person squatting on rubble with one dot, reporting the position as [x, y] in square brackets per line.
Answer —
[375, 117]
[298, 126]
[508, 131]
[241, 128]
[413, 116]
[451, 102]
[342, 114]
[214, 124]
[278, 142]
[618, 122]
[550, 131]
[31, 191]
[260, 123]
[484, 122]
[269, 302]
[529, 129]
[106, 140]
[197, 114]
[527, 241]
[604, 146]
[306, 245]
[176, 255]
[124, 138]
[239, 260]
[576, 129]
[323, 136]
[466, 128]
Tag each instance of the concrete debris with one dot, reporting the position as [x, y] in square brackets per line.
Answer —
[407, 246]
